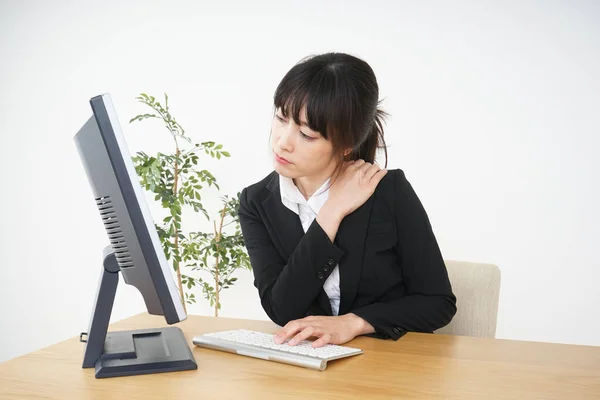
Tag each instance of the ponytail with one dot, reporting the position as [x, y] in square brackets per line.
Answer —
[374, 140]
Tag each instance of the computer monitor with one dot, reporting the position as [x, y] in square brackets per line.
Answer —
[135, 252]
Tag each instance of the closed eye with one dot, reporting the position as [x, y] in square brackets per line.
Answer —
[306, 137]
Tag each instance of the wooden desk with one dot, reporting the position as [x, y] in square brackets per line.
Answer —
[418, 366]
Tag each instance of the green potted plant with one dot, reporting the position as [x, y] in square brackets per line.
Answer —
[206, 260]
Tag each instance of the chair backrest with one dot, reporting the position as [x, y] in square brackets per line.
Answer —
[477, 290]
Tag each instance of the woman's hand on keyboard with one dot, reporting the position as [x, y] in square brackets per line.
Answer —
[328, 330]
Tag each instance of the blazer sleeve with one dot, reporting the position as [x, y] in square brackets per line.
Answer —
[429, 303]
[286, 288]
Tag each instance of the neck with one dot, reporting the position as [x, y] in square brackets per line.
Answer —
[308, 185]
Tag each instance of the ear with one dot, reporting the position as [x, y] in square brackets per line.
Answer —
[347, 154]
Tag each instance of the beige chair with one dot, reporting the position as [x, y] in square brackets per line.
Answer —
[477, 290]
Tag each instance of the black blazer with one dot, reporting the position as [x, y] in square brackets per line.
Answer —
[392, 273]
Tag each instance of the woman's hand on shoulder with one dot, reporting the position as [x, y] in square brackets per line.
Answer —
[354, 186]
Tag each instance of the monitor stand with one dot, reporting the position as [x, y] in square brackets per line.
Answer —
[135, 352]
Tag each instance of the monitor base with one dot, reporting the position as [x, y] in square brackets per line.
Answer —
[133, 352]
[144, 351]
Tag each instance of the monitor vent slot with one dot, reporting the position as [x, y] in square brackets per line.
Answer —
[115, 234]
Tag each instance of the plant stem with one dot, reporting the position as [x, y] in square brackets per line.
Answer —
[218, 239]
[176, 239]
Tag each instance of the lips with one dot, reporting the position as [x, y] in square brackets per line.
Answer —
[281, 160]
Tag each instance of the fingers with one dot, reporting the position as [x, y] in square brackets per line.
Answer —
[377, 176]
[355, 165]
[364, 167]
[289, 330]
[368, 170]
[303, 335]
[325, 329]
[322, 341]
[369, 173]
[308, 332]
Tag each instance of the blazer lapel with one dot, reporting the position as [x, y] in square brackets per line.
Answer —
[351, 238]
[288, 230]
[286, 223]
[323, 303]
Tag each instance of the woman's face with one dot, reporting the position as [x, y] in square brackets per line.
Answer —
[298, 150]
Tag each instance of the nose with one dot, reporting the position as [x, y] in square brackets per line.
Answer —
[285, 139]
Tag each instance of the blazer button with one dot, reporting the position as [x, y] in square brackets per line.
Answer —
[330, 262]
[320, 275]
[397, 330]
[326, 268]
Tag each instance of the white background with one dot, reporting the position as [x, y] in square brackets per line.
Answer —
[495, 120]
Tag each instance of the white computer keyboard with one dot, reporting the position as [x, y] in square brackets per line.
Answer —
[262, 345]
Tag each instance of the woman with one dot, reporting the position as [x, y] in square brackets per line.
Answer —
[339, 247]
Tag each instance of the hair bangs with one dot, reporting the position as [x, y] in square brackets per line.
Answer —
[322, 96]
